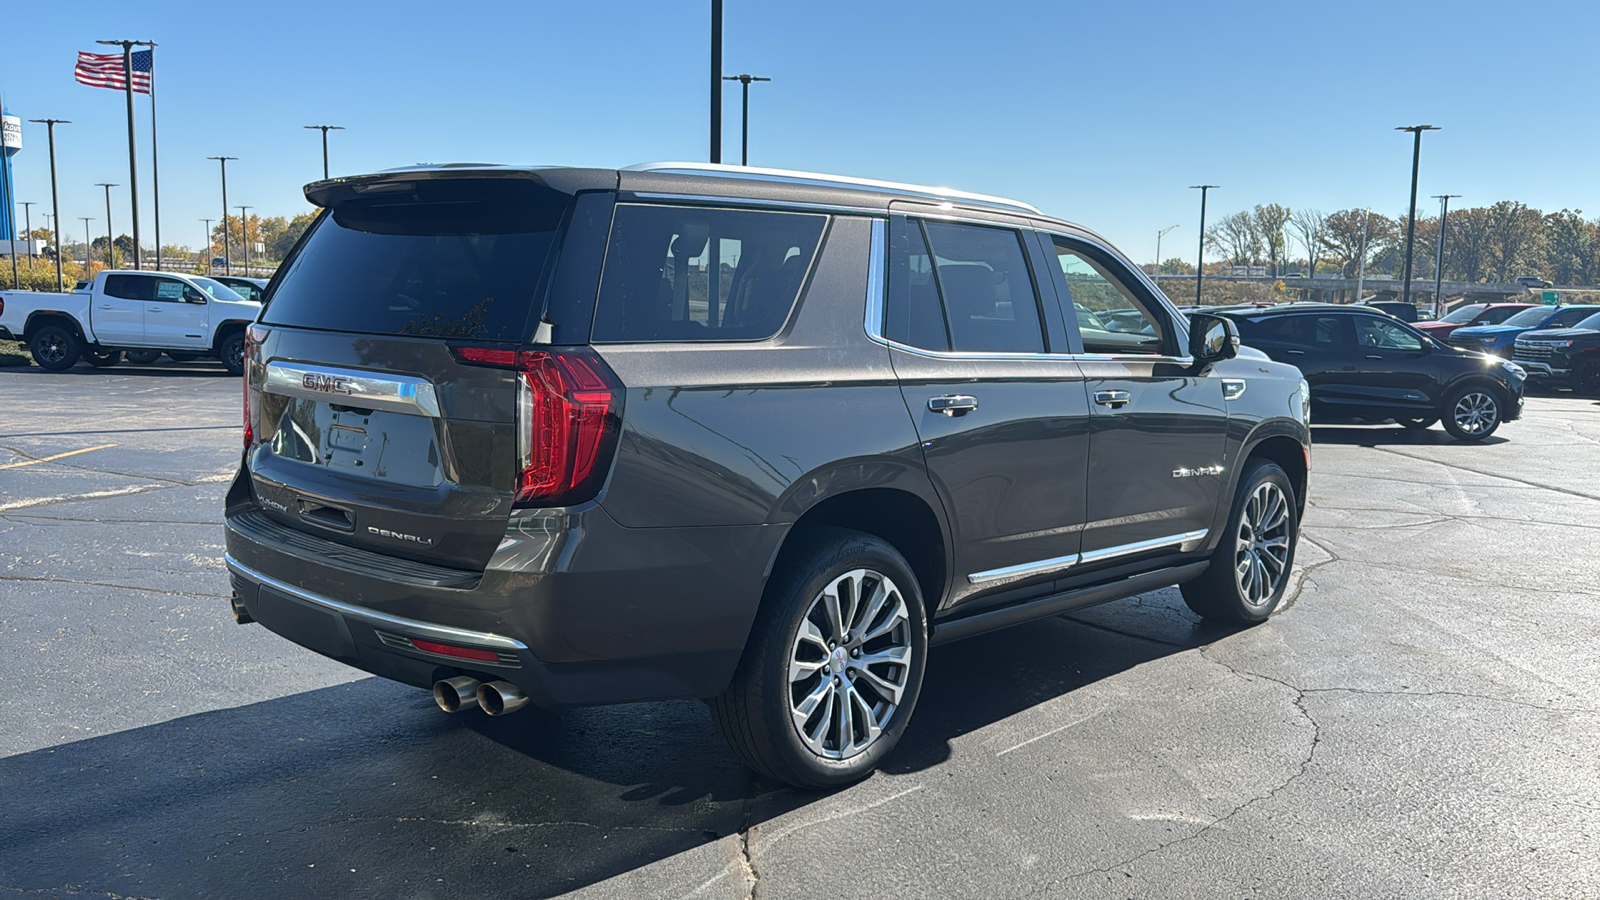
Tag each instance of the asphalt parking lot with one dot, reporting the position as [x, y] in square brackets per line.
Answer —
[1420, 721]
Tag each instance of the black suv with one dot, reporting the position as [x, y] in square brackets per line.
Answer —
[1568, 356]
[1365, 366]
[579, 436]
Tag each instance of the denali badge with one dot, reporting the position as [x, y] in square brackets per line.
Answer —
[327, 384]
[1190, 473]
[384, 532]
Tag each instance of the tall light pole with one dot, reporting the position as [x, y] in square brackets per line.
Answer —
[27, 216]
[1200, 260]
[111, 241]
[1411, 223]
[207, 245]
[1438, 262]
[1159, 235]
[55, 203]
[244, 235]
[88, 251]
[227, 255]
[744, 139]
[325, 129]
[716, 81]
[1361, 265]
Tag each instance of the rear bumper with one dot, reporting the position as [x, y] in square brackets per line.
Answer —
[575, 609]
[6, 335]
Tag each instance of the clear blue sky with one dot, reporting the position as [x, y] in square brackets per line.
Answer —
[1102, 113]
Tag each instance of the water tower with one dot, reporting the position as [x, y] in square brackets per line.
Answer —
[10, 144]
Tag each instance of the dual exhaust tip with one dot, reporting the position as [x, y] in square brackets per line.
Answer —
[497, 698]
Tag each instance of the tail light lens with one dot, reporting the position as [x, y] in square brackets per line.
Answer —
[569, 412]
[253, 338]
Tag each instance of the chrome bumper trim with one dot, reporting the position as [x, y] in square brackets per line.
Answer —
[421, 629]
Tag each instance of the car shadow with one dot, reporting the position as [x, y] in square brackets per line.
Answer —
[163, 369]
[365, 789]
[1392, 435]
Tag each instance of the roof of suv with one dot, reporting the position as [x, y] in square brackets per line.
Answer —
[699, 179]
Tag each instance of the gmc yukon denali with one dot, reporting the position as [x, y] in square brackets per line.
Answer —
[579, 436]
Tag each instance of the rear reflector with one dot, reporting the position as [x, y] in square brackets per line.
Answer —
[569, 412]
[458, 652]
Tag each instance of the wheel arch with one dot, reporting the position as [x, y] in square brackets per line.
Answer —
[39, 318]
[226, 328]
[1284, 441]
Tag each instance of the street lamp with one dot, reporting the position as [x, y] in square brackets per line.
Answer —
[207, 245]
[55, 203]
[1411, 223]
[1159, 235]
[1200, 260]
[744, 141]
[1438, 262]
[111, 242]
[88, 252]
[325, 129]
[27, 215]
[244, 235]
[227, 255]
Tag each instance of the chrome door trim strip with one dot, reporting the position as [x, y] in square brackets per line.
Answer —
[1189, 540]
[393, 393]
[1025, 570]
[373, 617]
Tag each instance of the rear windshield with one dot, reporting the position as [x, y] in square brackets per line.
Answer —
[432, 258]
[1463, 315]
[657, 284]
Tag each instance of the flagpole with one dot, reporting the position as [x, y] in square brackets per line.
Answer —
[133, 153]
[155, 165]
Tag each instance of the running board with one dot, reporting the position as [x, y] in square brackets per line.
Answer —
[1006, 616]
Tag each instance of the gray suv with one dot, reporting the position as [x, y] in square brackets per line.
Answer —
[580, 436]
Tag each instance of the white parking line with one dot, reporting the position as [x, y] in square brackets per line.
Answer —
[1050, 732]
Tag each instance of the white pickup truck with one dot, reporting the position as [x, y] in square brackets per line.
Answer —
[143, 313]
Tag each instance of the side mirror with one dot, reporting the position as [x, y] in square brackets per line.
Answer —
[1212, 339]
[193, 296]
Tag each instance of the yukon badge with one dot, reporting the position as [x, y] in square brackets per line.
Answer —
[327, 384]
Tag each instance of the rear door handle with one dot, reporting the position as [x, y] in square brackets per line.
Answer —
[1373, 356]
[1295, 352]
[953, 404]
[1113, 399]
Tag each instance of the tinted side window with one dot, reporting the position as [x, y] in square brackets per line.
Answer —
[1497, 315]
[1278, 329]
[989, 297]
[1568, 318]
[130, 287]
[1377, 334]
[657, 284]
[915, 316]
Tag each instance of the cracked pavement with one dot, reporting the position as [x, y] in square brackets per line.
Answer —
[1419, 720]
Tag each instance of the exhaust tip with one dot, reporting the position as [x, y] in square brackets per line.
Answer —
[456, 694]
[240, 614]
[501, 698]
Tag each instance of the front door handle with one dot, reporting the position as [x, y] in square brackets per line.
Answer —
[953, 404]
[1113, 399]
[1373, 356]
[1295, 352]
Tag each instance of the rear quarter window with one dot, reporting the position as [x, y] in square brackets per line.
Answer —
[657, 284]
[455, 258]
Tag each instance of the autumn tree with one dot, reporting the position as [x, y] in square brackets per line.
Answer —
[1308, 225]
[1515, 236]
[1270, 222]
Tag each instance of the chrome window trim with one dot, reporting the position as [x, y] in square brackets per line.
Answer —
[1186, 542]
[792, 176]
[1025, 570]
[393, 393]
[877, 264]
[425, 629]
[801, 205]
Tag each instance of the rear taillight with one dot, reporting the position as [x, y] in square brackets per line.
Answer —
[253, 337]
[569, 411]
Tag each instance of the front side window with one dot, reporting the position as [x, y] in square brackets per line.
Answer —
[1463, 315]
[679, 273]
[1374, 333]
[1497, 315]
[1111, 317]
[1567, 318]
[1531, 318]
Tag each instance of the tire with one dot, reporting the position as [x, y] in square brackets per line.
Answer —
[231, 351]
[1250, 568]
[1472, 412]
[182, 356]
[1586, 380]
[1421, 424]
[796, 656]
[143, 357]
[102, 359]
[55, 348]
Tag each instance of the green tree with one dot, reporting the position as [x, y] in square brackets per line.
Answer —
[1270, 222]
[1466, 246]
[1570, 247]
[1342, 237]
[1515, 239]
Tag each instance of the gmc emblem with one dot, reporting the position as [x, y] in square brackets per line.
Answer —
[327, 384]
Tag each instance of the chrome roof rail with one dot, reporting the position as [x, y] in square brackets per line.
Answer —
[793, 177]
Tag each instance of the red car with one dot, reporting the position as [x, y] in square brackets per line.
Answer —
[1471, 314]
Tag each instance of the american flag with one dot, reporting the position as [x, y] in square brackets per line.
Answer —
[105, 70]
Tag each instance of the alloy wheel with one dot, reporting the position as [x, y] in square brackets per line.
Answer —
[1261, 554]
[52, 348]
[1476, 413]
[850, 664]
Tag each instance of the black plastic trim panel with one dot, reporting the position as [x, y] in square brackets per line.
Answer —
[256, 526]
